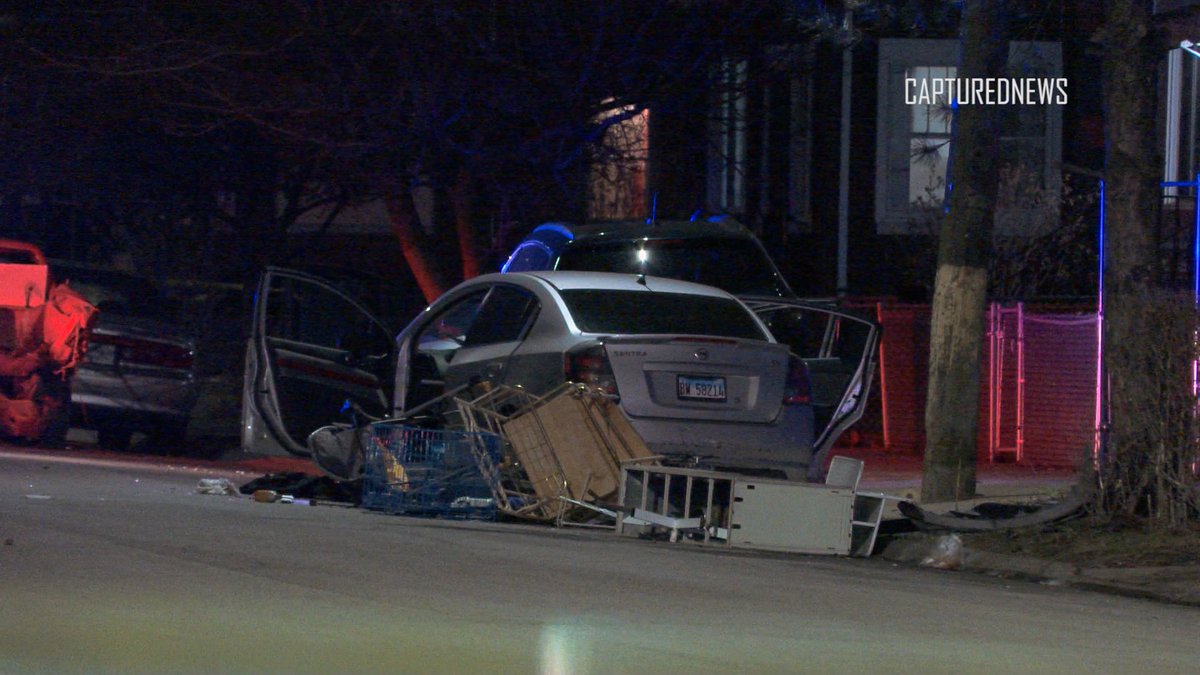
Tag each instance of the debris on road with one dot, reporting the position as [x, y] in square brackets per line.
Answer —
[216, 486]
[299, 485]
[272, 497]
[413, 471]
[564, 450]
[945, 554]
[990, 517]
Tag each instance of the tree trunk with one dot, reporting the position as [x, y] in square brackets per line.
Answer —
[469, 248]
[403, 217]
[960, 290]
[1133, 200]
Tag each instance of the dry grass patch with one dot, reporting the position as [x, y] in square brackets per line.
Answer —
[1093, 542]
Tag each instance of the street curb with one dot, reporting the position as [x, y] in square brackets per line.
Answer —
[1159, 584]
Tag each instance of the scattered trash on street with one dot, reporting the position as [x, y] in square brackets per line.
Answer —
[988, 516]
[216, 486]
[272, 497]
[946, 554]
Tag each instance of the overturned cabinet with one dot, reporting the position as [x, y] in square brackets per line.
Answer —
[735, 511]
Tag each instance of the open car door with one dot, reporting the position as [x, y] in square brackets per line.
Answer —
[311, 349]
[840, 349]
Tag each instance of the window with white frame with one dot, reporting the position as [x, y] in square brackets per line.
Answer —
[1181, 156]
[727, 139]
[929, 137]
[759, 138]
[913, 139]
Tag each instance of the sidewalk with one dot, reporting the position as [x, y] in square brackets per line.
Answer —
[900, 475]
[1178, 584]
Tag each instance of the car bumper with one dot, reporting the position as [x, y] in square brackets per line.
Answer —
[782, 448]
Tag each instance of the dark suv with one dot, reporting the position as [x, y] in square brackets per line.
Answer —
[715, 251]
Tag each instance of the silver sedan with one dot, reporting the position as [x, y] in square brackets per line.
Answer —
[697, 373]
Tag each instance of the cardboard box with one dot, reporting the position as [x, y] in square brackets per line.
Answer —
[573, 444]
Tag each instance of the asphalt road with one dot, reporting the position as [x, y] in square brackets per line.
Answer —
[117, 568]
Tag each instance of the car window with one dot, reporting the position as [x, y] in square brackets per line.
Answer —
[641, 313]
[503, 316]
[738, 266]
[309, 313]
[114, 292]
[531, 255]
[813, 334]
[448, 330]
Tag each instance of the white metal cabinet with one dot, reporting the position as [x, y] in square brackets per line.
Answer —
[799, 517]
[734, 510]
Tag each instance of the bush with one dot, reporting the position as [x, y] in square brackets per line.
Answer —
[1149, 466]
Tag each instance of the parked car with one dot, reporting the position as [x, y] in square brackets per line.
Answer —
[697, 373]
[139, 373]
[717, 251]
[838, 345]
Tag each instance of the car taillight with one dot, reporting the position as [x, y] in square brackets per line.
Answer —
[142, 352]
[590, 366]
[798, 388]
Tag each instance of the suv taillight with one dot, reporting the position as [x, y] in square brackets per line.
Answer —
[145, 352]
[589, 365]
[798, 388]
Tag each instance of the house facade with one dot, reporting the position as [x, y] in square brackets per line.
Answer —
[816, 146]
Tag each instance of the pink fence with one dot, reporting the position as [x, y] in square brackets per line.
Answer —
[1037, 385]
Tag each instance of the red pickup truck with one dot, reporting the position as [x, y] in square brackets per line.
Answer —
[43, 338]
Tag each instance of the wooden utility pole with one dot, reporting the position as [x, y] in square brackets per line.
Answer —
[960, 289]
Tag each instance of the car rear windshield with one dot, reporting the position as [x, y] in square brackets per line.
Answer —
[738, 266]
[642, 313]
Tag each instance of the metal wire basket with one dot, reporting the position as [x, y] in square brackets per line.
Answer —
[435, 472]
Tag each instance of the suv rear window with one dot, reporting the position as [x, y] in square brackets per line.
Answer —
[641, 313]
[738, 266]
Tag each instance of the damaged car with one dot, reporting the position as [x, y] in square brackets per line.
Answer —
[699, 375]
[838, 346]
[44, 328]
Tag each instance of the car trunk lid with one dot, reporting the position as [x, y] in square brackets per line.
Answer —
[702, 378]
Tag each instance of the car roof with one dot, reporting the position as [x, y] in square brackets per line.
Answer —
[610, 281]
[623, 230]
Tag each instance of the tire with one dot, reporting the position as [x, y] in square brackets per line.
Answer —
[54, 393]
[55, 435]
[166, 438]
[114, 439]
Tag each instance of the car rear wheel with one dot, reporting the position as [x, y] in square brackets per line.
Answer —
[115, 439]
[54, 396]
[165, 438]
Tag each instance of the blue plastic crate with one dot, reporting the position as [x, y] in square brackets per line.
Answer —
[432, 472]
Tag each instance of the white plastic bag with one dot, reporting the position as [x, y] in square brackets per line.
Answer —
[946, 553]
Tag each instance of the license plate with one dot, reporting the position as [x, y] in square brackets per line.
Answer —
[690, 388]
